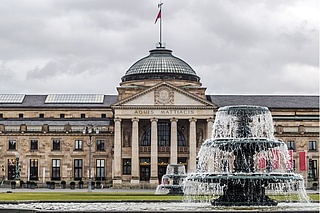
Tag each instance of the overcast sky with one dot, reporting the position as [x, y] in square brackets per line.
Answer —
[86, 46]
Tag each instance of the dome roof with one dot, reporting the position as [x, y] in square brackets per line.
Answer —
[160, 64]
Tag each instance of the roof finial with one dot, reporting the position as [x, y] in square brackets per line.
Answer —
[159, 16]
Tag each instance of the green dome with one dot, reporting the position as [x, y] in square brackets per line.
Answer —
[160, 64]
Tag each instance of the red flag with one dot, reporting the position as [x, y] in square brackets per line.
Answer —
[302, 161]
[290, 161]
[158, 16]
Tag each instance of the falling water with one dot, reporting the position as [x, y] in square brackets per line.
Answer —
[243, 162]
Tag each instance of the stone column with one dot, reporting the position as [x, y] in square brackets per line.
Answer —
[154, 151]
[192, 145]
[135, 151]
[174, 142]
[117, 152]
[209, 128]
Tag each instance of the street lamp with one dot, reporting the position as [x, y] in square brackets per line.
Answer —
[17, 172]
[90, 129]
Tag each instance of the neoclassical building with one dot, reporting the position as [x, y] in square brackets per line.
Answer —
[161, 115]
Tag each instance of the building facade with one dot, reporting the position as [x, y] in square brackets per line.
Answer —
[161, 115]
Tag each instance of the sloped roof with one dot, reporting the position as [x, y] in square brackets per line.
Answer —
[39, 101]
[270, 101]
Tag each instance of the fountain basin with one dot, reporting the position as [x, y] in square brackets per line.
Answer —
[243, 160]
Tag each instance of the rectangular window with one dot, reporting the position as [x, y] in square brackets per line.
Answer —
[34, 169]
[78, 145]
[291, 145]
[163, 161]
[12, 144]
[312, 172]
[62, 115]
[312, 146]
[126, 166]
[55, 173]
[294, 165]
[1, 115]
[100, 169]
[77, 169]
[103, 115]
[56, 144]
[83, 115]
[34, 144]
[20, 115]
[100, 144]
[144, 161]
[41, 115]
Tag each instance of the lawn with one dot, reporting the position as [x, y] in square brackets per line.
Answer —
[106, 196]
[85, 196]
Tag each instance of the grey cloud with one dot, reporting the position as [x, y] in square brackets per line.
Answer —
[230, 44]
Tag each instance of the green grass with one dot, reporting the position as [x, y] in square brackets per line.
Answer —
[313, 197]
[108, 196]
[83, 196]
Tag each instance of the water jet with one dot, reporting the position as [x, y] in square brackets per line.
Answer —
[243, 162]
[172, 181]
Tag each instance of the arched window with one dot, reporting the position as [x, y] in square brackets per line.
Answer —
[146, 138]
[181, 139]
[164, 134]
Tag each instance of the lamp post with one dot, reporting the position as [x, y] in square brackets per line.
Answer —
[17, 172]
[90, 129]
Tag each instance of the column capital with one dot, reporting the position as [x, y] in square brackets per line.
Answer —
[135, 119]
[173, 120]
[154, 119]
[192, 120]
[117, 119]
[210, 119]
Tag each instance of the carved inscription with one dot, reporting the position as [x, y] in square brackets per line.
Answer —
[165, 112]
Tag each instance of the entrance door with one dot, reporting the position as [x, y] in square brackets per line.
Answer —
[161, 171]
[11, 169]
[144, 173]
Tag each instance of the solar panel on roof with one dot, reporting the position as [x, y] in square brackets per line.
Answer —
[74, 98]
[11, 98]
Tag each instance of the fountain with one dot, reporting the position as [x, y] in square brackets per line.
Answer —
[172, 181]
[243, 162]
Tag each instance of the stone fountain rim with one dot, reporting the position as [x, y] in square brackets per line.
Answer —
[244, 107]
[264, 176]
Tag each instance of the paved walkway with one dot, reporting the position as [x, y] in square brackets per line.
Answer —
[8, 189]
[133, 207]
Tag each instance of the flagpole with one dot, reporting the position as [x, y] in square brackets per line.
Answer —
[160, 6]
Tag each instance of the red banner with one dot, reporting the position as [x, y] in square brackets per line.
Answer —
[275, 158]
[302, 161]
[261, 161]
[290, 161]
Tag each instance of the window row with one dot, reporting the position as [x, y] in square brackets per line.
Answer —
[312, 145]
[56, 145]
[312, 169]
[163, 135]
[13, 171]
[61, 115]
[146, 161]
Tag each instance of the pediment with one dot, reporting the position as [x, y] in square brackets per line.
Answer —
[164, 94]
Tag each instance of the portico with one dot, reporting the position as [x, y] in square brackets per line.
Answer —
[153, 129]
